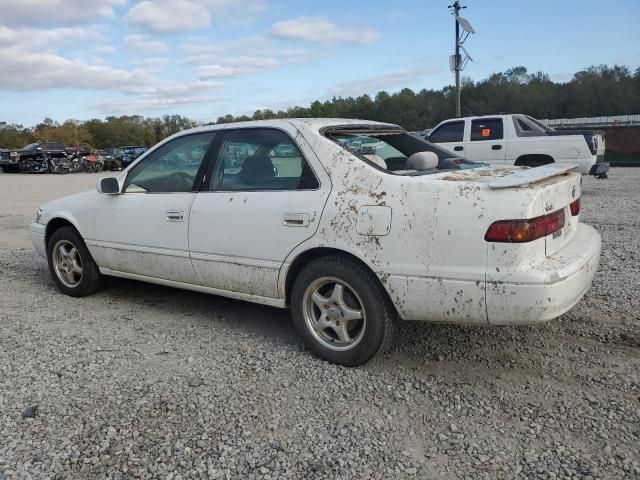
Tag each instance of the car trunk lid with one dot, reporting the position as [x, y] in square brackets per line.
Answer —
[554, 186]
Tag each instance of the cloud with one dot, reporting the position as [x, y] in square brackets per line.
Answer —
[234, 67]
[105, 49]
[162, 96]
[38, 39]
[200, 51]
[41, 71]
[377, 83]
[321, 30]
[166, 16]
[56, 12]
[172, 16]
[144, 45]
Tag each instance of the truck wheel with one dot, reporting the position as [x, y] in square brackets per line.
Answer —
[71, 265]
[533, 161]
[341, 311]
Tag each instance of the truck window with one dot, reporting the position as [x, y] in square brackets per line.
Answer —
[486, 129]
[448, 132]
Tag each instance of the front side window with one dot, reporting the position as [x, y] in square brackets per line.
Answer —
[261, 159]
[171, 168]
[486, 129]
[449, 132]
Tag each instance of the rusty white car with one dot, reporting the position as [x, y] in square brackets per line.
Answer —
[285, 213]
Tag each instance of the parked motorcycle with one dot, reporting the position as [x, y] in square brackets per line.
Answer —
[76, 163]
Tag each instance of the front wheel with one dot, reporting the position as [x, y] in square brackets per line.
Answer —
[71, 265]
[341, 311]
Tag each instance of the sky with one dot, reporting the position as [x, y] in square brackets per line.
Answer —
[82, 59]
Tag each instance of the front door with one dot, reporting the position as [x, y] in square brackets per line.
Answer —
[144, 230]
[264, 198]
[450, 136]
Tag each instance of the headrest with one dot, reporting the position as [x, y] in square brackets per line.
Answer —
[257, 169]
[422, 161]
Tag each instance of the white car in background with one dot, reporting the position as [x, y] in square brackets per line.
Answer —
[522, 141]
[349, 244]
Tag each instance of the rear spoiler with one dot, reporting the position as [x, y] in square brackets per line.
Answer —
[525, 176]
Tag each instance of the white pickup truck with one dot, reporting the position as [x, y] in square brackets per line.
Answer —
[521, 140]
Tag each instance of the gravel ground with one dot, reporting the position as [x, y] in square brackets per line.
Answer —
[141, 381]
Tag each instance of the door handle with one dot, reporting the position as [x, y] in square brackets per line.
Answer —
[496, 147]
[295, 219]
[175, 216]
[458, 148]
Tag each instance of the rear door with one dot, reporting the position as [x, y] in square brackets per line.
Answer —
[486, 141]
[450, 135]
[264, 197]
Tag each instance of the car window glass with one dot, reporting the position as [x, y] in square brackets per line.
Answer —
[374, 149]
[261, 159]
[449, 132]
[523, 126]
[172, 167]
[486, 129]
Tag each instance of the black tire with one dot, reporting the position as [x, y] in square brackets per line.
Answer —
[90, 280]
[379, 319]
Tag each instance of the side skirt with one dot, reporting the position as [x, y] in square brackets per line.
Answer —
[272, 302]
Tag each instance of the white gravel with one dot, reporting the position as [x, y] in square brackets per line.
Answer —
[141, 381]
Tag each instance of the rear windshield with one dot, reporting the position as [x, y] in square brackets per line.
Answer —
[390, 149]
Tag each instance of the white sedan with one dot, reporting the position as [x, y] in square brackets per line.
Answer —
[286, 213]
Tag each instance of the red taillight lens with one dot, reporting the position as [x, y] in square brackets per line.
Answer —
[575, 207]
[521, 231]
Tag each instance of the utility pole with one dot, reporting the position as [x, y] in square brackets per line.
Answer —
[456, 8]
[456, 62]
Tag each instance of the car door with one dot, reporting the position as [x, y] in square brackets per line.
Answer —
[450, 135]
[486, 141]
[144, 229]
[264, 196]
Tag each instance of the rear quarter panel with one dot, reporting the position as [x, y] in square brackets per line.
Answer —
[432, 259]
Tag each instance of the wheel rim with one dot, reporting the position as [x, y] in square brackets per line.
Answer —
[67, 263]
[334, 314]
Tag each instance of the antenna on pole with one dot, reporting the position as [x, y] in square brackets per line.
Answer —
[456, 62]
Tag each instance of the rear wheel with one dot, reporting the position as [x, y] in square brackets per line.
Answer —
[71, 265]
[341, 311]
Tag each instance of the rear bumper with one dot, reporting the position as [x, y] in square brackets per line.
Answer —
[37, 234]
[546, 290]
[600, 168]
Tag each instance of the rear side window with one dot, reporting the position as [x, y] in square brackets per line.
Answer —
[486, 129]
[261, 159]
[449, 132]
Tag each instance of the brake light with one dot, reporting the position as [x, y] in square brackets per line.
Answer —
[575, 207]
[522, 231]
[592, 142]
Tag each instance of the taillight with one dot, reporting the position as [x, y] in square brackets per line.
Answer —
[521, 231]
[575, 207]
[592, 143]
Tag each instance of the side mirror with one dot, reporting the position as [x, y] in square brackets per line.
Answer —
[108, 186]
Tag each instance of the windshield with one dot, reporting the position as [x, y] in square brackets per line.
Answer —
[390, 149]
[134, 150]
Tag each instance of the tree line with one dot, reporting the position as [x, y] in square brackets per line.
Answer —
[595, 91]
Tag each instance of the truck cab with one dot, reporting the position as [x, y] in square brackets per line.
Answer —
[519, 140]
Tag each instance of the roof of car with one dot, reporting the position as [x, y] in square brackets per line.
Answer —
[312, 123]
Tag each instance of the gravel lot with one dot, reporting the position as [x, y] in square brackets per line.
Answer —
[142, 381]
